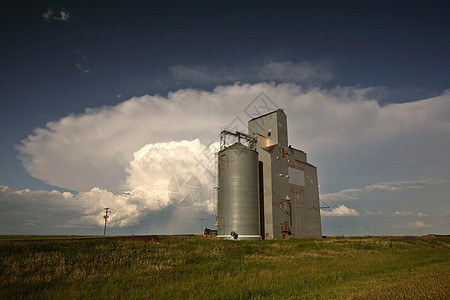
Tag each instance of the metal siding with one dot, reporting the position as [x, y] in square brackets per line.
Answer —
[309, 222]
[261, 199]
[280, 189]
[238, 207]
[305, 214]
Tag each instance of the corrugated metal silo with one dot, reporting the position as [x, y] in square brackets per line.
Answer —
[238, 205]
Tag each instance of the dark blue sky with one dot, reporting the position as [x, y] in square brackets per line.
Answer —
[52, 68]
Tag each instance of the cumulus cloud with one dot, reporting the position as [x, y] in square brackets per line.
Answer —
[341, 211]
[97, 145]
[109, 150]
[419, 225]
[49, 209]
[92, 149]
[279, 71]
[35, 208]
[156, 165]
[150, 173]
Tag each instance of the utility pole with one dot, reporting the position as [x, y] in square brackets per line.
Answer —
[340, 231]
[202, 226]
[367, 230]
[106, 216]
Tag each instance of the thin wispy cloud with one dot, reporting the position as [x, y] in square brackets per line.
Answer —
[404, 213]
[355, 194]
[278, 71]
[83, 65]
[344, 195]
[405, 185]
[206, 75]
[287, 71]
[367, 212]
[50, 15]
[82, 61]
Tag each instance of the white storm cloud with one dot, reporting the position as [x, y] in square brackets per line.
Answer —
[338, 128]
[148, 185]
[150, 173]
[348, 135]
[156, 166]
[93, 149]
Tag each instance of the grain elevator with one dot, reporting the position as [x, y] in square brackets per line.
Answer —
[266, 188]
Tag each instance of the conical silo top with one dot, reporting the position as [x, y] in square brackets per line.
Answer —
[237, 145]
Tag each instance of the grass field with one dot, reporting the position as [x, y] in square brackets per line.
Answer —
[177, 267]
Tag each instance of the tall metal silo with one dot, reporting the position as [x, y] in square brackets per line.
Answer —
[238, 204]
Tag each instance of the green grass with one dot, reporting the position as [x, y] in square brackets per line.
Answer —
[170, 267]
[40, 237]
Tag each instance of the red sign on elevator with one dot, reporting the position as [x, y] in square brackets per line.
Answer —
[297, 190]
